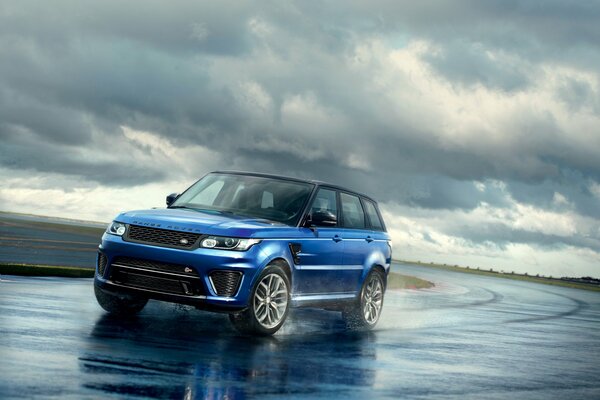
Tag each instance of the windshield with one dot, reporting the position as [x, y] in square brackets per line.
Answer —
[251, 196]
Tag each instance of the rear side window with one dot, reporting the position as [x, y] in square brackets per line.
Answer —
[353, 215]
[374, 219]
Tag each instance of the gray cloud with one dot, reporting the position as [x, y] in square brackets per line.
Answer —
[501, 236]
[468, 64]
[22, 151]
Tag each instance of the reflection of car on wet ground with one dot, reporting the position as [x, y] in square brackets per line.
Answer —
[200, 361]
[250, 245]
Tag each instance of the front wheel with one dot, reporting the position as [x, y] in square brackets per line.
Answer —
[268, 306]
[117, 305]
[365, 312]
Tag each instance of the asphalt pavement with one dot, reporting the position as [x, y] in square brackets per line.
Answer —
[469, 337]
[49, 241]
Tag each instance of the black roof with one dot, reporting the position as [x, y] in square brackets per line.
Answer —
[289, 178]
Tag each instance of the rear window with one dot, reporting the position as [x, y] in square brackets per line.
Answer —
[371, 210]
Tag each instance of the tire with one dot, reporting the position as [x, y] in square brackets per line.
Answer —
[265, 313]
[364, 313]
[128, 305]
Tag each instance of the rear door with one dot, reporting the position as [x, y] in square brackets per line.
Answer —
[357, 239]
[379, 243]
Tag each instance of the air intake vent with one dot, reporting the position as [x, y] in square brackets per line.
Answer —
[225, 283]
[162, 237]
[139, 275]
[101, 264]
[159, 284]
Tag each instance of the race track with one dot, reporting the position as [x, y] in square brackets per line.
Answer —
[33, 239]
[469, 337]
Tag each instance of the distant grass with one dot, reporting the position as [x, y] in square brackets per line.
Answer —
[517, 277]
[45, 270]
[56, 226]
[400, 281]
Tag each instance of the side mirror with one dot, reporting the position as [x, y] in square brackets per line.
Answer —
[323, 218]
[171, 198]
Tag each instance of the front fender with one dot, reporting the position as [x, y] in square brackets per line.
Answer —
[272, 250]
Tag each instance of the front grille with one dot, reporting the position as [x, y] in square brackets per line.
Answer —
[162, 237]
[154, 265]
[101, 264]
[225, 283]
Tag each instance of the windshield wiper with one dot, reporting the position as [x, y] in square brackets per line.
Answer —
[209, 210]
[227, 212]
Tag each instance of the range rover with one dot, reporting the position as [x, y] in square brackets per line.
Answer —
[252, 246]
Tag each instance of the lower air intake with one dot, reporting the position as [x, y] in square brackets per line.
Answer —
[225, 283]
[152, 283]
[101, 264]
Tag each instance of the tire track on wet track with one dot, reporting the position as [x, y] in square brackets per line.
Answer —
[578, 307]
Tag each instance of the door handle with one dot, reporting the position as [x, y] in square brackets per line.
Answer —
[369, 239]
[337, 238]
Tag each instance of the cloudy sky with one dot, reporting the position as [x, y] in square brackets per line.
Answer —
[475, 124]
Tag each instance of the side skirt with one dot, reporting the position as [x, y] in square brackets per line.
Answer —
[335, 301]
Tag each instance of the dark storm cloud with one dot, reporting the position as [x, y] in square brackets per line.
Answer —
[23, 151]
[578, 94]
[571, 184]
[181, 26]
[512, 24]
[500, 235]
[71, 72]
[468, 64]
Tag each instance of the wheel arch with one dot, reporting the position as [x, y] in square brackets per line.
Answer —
[283, 264]
[276, 252]
[376, 260]
[380, 268]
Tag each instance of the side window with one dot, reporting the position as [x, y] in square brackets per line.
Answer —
[373, 216]
[353, 215]
[325, 201]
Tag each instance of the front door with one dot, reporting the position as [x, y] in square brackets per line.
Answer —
[320, 257]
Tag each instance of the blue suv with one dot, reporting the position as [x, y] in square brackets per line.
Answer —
[250, 245]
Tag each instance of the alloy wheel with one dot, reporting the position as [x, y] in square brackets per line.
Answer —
[372, 299]
[270, 300]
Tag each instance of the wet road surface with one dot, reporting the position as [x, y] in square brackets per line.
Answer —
[469, 337]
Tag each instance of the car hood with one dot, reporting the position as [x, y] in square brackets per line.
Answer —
[204, 222]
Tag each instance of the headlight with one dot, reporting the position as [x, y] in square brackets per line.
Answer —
[116, 228]
[227, 243]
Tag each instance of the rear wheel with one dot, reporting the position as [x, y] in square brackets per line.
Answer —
[268, 306]
[119, 305]
[365, 312]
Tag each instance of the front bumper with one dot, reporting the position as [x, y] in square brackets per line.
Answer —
[203, 262]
